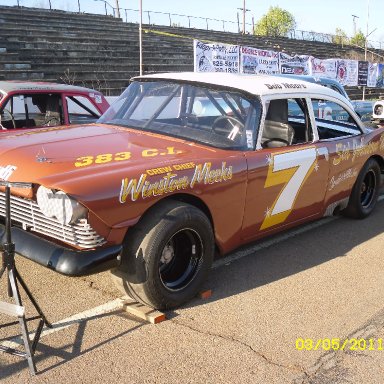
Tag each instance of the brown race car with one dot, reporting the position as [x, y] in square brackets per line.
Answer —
[180, 168]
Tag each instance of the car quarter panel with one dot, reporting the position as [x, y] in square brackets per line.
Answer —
[347, 156]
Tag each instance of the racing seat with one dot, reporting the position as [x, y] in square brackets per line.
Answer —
[277, 131]
[52, 112]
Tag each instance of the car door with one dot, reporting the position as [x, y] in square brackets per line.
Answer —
[288, 172]
[342, 136]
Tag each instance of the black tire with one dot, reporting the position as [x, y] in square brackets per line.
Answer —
[166, 256]
[365, 192]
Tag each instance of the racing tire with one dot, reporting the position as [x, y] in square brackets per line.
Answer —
[365, 191]
[166, 256]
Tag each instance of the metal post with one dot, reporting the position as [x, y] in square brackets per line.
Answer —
[50, 5]
[78, 3]
[141, 36]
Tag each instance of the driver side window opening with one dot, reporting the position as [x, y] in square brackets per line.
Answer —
[81, 110]
[287, 123]
[27, 111]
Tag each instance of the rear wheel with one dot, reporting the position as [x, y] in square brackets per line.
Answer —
[365, 192]
[166, 256]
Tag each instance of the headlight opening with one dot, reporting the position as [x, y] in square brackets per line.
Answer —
[59, 205]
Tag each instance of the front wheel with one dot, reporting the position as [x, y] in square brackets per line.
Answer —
[166, 256]
[365, 192]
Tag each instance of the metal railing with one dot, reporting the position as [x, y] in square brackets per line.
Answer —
[171, 19]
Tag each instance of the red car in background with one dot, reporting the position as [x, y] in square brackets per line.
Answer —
[37, 104]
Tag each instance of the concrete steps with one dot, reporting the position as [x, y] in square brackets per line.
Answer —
[102, 52]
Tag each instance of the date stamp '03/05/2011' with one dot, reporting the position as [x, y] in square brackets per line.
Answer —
[337, 344]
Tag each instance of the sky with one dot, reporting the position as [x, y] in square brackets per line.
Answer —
[318, 16]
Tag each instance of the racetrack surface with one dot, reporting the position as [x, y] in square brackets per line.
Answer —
[321, 281]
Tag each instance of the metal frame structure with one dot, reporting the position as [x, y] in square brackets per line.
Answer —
[13, 280]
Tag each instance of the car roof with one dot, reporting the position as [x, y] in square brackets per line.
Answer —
[261, 85]
[12, 86]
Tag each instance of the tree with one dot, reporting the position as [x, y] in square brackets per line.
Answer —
[340, 37]
[276, 22]
[358, 39]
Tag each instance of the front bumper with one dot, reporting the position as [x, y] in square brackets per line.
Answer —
[60, 259]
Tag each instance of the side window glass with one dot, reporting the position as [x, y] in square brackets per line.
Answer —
[333, 120]
[287, 123]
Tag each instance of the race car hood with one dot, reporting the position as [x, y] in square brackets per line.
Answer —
[84, 158]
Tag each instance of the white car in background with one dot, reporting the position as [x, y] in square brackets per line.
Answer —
[378, 112]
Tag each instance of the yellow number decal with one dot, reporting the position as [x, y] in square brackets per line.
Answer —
[120, 156]
[290, 169]
[84, 161]
[103, 158]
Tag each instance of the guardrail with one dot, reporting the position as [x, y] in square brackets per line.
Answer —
[167, 18]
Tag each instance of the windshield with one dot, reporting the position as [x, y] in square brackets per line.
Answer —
[218, 117]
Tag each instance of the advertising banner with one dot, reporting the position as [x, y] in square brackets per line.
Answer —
[216, 57]
[253, 60]
[323, 68]
[347, 72]
[372, 75]
[294, 65]
[380, 75]
[362, 77]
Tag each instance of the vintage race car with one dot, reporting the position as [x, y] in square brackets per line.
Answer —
[183, 167]
[38, 104]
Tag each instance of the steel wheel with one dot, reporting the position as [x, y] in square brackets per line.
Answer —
[368, 188]
[181, 259]
[167, 255]
[365, 191]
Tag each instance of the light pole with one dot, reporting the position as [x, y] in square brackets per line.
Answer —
[366, 41]
[118, 8]
[354, 24]
[141, 36]
[366, 35]
[244, 11]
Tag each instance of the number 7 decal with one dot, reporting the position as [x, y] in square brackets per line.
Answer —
[291, 169]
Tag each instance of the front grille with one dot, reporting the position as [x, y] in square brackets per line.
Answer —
[28, 214]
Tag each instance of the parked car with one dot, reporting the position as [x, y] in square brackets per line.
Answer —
[180, 168]
[38, 104]
[362, 107]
